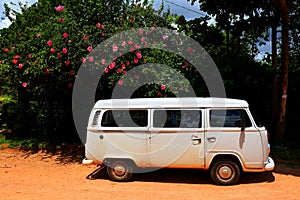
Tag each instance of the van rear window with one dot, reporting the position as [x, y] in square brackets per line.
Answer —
[125, 118]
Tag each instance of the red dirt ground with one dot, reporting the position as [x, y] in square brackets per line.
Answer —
[42, 175]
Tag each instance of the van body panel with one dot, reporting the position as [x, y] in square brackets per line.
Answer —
[177, 149]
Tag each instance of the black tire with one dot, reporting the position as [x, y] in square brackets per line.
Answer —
[225, 172]
[120, 171]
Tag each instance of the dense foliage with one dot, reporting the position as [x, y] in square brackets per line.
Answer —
[41, 52]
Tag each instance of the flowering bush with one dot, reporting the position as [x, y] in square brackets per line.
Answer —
[42, 50]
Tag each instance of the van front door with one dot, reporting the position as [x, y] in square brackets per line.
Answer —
[231, 131]
[176, 138]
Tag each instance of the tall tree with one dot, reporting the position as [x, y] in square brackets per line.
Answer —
[283, 7]
[254, 17]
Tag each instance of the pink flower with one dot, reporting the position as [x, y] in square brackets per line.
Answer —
[65, 35]
[103, 61]
[119, 70]
[102, 34]
[132, 49]
[123, 66]
[59, 8]
[17, 56]
[0, 62]
[14, 61]
[120, 82]
[90, 48]
[67, 62]
[70, 85]
[138, 55]
[58, 55]
[153, 27]
[143, 39]
[52, 50]
[186, 64]
[163, 87]
[64, 50]
[38, 35]
[85, 38]
[47, 71]
[189, 49]
[112, 65]
[106, 70]
[123, 43]
[29, 56]
[102, 26]
[137, 46]
[115, 47]
[98, 24]
[165, 37]
[71, 73]
[159, 94]
[6, 50]
[140, 31]
[130, 42]
[135, 60]
[24, 84]
[83, 60]
[127, 63]
[61, 20]
[49, 42]
[91, 59]
[20, 66]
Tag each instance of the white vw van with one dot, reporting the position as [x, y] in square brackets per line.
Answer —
[215, 134]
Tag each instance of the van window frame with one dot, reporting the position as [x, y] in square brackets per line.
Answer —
[201, 110]
[250, 120]
[139, 128]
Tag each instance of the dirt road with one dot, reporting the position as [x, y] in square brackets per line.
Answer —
[46, 176]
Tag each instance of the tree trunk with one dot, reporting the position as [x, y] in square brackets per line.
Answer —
[275, 94]
[280, 131]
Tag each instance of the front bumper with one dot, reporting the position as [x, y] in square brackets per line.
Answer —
[270, 164]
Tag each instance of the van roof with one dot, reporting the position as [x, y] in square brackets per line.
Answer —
[186, 102]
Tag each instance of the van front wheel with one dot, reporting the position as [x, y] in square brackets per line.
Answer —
[225, 172]
[119, 171]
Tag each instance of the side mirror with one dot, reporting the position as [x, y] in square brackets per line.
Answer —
[241, 123]
[243, 128]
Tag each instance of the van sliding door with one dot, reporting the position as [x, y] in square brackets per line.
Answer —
[177, 138]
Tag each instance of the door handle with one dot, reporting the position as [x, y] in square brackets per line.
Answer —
[211, 139]
[196, 140]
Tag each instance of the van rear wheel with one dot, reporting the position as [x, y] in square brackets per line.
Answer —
[225, 172]
[119, 171]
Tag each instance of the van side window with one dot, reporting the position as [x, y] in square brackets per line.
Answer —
[229, 118]
[177, 119]
[125, 118]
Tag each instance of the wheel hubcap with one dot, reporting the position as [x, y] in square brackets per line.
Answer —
[119, 170]
[225, 172]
